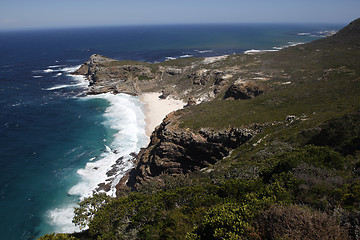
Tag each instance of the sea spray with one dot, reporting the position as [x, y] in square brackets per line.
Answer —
[125, 118]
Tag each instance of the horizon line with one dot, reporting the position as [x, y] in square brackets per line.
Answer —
[17, 29]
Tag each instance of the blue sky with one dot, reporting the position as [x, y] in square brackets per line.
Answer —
[15, 14]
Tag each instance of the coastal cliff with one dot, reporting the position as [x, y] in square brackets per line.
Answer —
[175, 151]
[194, 79]
[268, 148]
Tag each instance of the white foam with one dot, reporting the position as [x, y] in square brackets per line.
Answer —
[58, 87]
[49, 70]
[292, 44]
[203, 51]
[253, 51]
[318, 34]
[125, 116]
[55, 66]
[37, 76]
[186, 56]
[62, 218]
[170, 58]
[70, 69]
[278, 48]
[304, 34]
[79, 80]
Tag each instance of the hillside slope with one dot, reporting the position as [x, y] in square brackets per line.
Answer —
[272, 154]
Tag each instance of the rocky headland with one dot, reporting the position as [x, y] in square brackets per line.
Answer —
[266, 148]
[175, 150]
[197, 80]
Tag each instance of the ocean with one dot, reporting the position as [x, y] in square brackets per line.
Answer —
[56, 143]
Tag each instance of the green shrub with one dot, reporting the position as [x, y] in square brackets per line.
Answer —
[226, 221]
[59, 236]
[348, 196]
[322, 157]
[340, 133]
[88, 208]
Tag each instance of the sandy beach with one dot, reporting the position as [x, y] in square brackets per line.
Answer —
[156, 109]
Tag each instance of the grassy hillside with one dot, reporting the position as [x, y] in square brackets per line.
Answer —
[297, 179]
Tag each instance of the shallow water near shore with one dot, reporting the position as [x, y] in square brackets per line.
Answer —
[54, 139]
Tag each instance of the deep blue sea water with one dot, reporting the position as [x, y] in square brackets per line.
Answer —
[55, 143]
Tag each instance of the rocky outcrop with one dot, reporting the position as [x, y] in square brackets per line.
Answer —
[173, 71]
[203, 76]
[242, 90]
[175, 151]
[108, 75]
[191, 101]
[200, 77]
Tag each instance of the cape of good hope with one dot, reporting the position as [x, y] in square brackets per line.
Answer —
[175, 150]
[267, 146]
[179, 150]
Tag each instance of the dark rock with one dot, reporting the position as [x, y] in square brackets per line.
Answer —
[164, 93]
[200, 77]
[244, 90]
[290, 118]
[177, 151]
[191, 102]
[108, 75]
[83, 70]
[104, 187]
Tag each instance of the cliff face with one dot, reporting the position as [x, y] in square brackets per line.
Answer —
[175, 151]
[198, 79]
[105, 75]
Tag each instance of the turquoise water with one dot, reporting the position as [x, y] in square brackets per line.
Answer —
[55, 143]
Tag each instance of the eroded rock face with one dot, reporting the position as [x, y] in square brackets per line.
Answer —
[175, 151]
[173, 71]
[244, 90]
[106, 75]
[203, 76]
[180, 82]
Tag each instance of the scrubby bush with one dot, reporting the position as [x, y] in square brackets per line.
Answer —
[230, 209]
[298, 223]
[340, 133]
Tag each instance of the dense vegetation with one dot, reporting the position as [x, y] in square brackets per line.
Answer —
[294, 197]
[298, 179]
